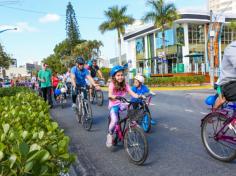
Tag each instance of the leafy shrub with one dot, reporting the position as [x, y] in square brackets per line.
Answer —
[11, 91]
[173, 81]
[30, 142]
[105, 72]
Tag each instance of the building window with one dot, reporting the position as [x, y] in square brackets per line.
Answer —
[140, 48]
[169, 38]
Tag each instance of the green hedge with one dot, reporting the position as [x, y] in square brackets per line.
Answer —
[175, 81]
[31, 143]
[105, 72]
[11, 91]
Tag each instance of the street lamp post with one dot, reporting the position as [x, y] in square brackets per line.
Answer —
[8, 30]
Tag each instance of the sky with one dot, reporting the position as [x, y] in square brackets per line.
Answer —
[41, 24]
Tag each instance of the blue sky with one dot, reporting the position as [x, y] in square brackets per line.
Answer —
[39, 32]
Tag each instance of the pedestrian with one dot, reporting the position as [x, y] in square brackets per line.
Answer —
[45, 77]
[55, 81]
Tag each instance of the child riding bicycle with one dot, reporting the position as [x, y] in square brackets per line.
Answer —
[117, 87]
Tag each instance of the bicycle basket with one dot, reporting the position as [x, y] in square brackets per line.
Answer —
[135, 114]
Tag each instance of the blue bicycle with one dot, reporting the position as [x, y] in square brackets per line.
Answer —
[146, 122]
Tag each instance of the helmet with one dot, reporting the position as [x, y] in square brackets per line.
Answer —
[210, 100]
[63, 90]
[115, 69]
[80, 60]
[140, 78]
[57, 92]
[89, 63]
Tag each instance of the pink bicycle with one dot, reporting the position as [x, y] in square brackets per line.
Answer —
[218, 139]
[128, 131]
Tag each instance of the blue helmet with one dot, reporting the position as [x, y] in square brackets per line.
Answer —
[57, 92]
[211, 100]
[90, 63]
[115, 69]
[80, 60]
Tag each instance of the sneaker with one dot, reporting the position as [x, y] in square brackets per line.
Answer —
[74, 106]
[153, 122]
[109, 140]
[232, 127]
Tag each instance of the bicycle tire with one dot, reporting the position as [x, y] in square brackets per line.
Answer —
[146, 122]
[137, 140]
[78, 110]
[87, 119]
[211, 119]
[99, 97]
[93, 96]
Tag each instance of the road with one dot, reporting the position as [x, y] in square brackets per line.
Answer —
[175, 147]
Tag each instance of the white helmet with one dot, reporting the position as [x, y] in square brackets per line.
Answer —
[140, 78]
[63, 90]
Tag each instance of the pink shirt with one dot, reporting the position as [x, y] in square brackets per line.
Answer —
[117, 93]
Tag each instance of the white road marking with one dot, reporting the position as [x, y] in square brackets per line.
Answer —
[168, 127]
[204, 113]
[151, 104]
[188, 110]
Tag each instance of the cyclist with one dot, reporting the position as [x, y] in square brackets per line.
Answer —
[94, 69]
[117, 87]
[140, 89]
[78, 76]
[227, 81]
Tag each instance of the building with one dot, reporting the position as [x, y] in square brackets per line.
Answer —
[115, 61]
[102, 62]
[222, 6]
[13, 72]
[186, 45]
[13, 63]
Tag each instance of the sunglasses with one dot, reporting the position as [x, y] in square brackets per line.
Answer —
[81, 64]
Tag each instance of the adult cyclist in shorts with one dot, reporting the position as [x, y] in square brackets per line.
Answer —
[78, 76]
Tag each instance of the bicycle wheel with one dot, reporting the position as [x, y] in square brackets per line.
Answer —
[136, 145]
[93, 96]
[99, 97]
[215, 144]
[146, 122]
[87, 118]
[78, 112]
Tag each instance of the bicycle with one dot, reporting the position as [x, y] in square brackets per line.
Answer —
[145, 122]
[128, 131]
[60, 99]
[84, 110]
[97, 95]
[214, 127]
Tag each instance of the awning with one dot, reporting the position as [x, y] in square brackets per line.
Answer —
[194, 55]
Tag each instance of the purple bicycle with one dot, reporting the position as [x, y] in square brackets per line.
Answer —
[218, 139]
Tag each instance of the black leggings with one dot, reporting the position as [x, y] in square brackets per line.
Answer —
[46, 91]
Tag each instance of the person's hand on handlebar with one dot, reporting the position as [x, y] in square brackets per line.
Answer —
[97, 87]
[142, 97]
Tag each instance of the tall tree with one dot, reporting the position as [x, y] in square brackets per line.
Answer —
[72, 29]
[5, 59]
[116, 20]
[88, 49]
[163, 15]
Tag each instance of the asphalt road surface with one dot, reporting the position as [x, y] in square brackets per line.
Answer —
[175, 147]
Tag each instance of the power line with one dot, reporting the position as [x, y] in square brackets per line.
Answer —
[43, 12]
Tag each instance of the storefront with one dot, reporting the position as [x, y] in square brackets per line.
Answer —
[184, 48]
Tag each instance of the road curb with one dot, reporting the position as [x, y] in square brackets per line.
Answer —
[82, 165]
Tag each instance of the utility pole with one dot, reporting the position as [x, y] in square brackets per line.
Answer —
[212, 36]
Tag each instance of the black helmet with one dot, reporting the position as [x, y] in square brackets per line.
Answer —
[80, 60]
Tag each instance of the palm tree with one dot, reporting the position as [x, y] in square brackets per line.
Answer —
[116, 20]
[163, 15]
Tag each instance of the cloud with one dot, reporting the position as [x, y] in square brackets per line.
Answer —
[49, 18]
